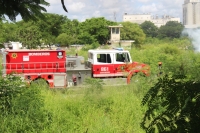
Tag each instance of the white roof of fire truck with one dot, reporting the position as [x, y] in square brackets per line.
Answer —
[117, 50]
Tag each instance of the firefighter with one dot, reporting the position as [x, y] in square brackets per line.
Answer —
[160, 67]
[74, 79]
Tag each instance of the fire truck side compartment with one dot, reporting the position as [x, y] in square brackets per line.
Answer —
[77, 67]
[34, 64]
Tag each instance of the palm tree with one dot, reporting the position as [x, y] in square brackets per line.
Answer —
[63, 4]
[28, 9]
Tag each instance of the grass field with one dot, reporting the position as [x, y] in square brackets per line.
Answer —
[111, 109]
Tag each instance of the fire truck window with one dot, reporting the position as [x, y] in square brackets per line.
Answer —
[127, 58]
[103, 58]
[108, 60]
[122, 57]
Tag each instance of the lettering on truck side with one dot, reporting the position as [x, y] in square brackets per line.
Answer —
[39, 54]
[104, 69]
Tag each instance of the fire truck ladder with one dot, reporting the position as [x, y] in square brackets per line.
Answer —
[35, 67]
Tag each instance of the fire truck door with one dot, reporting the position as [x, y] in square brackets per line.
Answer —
[121, 61]
[104, 66]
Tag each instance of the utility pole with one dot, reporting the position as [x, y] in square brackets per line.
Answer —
[115, 16]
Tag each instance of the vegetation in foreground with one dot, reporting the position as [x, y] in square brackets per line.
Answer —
[159, 103]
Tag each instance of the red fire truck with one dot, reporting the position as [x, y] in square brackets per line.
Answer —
[35, 64]
[109, 65]
[61, 71]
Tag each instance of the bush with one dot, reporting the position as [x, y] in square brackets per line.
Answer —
[21, 107]
[91, 46]
[11, 87]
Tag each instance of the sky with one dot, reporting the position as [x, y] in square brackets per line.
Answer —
[114, 9]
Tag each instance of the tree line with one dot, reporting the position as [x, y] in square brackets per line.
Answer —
[58, 29]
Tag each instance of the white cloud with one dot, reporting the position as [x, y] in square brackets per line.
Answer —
[144, 1]
[97, 14]
[76, 7]
[149, 8]
[85, 9]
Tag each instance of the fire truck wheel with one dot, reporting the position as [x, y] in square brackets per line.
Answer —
[40, 83]
[134, 78]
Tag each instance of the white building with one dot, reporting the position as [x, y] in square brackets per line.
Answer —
[191, 13]
[13, 45]
[140, 18]
[115, 37]
[115, 33]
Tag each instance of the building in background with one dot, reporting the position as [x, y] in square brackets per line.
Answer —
[13, 45]
[140, 18]
[191, 13]
[115, 39]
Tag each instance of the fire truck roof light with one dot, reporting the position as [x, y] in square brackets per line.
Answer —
[120, 49]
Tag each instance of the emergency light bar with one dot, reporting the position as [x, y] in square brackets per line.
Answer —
[120, 49]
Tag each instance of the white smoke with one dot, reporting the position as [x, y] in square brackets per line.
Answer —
[194, 35]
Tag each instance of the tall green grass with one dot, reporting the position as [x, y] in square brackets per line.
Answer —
[114, 109]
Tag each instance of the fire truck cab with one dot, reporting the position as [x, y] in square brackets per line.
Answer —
[114, 63]
[106, 63]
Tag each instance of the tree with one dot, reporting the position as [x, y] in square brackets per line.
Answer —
[2, 35]
[149, 29]
[71, 27]
[28, 9]
[172, 30]
[29, 35]
[98, 28]
[65, 40]
[173, 106]
[49, 29]
[86, 38]
[63, 4]
[132, 31]
[8, 32]
[52, 24]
